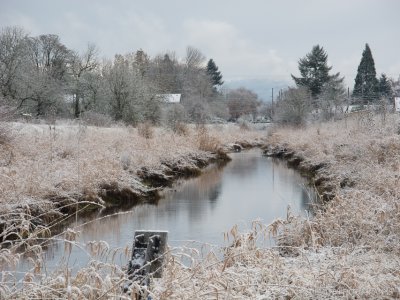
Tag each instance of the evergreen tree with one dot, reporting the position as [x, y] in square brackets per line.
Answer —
[366, 84]
[142, 62]
[385, 88]
[314, 71]
[213, 73]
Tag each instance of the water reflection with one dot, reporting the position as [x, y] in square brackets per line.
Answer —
[249, 187]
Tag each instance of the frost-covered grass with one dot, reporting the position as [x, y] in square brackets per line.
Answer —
[360, 227]
[365, 158]
[349, 249]
[67, 159]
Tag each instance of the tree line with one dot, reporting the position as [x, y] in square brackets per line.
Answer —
[323, 94]
[42, 77]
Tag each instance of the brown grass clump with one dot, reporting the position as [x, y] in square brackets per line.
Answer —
[206, 142]
[96, 119]
[244, 125]
[181, 128]
[146, 130]
[6, 133]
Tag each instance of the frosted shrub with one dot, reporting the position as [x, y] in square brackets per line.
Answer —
[146, 130]
[5, 133]
[206, 142]
[5, 128]
[125, 161]
[97, 119]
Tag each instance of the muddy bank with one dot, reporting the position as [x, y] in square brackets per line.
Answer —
[317, 172]
[55, 210]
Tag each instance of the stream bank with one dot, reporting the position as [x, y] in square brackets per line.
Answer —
[55, 210]
[194, 210]
[316, 171]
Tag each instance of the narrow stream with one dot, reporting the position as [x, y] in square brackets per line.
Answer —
[201, 209]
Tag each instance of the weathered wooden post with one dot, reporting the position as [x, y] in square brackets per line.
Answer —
[147, 258]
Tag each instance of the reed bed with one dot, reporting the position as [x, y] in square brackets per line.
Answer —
[70, 160]
[45, 162]
[348, 249]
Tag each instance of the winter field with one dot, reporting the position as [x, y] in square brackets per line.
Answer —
[73, 159]
[349, 249]
[44, 164]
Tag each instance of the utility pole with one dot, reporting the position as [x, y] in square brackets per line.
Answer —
[348, 97]
[272, 97]
[272, 104]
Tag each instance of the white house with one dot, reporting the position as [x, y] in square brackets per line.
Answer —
[170, 98]
[397, 104]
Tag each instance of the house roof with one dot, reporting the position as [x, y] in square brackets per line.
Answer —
[171, 98]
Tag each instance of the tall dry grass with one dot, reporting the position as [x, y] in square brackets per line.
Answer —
[361, 225]
[68, 161]
[349, 249]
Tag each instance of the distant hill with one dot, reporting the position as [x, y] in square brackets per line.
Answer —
[263, 88]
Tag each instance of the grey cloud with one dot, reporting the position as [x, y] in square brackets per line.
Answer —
[259, 39]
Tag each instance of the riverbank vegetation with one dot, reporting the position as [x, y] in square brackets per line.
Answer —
[50, 171]
[348, 249]
[71, 160]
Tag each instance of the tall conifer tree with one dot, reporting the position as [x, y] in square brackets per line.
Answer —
[213, 73]
[314, 71]
[366, 84]
[385, 88]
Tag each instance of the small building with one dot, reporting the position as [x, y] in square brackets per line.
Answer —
[171, 98]
[397, 104]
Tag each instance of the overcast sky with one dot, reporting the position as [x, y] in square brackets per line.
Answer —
[247, 39]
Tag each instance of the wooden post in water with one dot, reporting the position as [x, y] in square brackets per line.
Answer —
[147, 255]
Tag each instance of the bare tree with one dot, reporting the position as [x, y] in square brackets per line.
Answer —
[294, 106]
[395, 86]
[197, 109]
[81, 65]
[165, 73]
[194, 58]
[145, 105]
[96, 93]
[175, 116]
[117, 75]
[331, 99]
[49, 56]
[242, 102]
[12, 56]
[142, 63]
[196, 86]
[132, 98]
[46, 75]
[41, 75]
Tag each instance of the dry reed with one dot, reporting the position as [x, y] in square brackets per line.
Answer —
[349, 249]
[69, 161]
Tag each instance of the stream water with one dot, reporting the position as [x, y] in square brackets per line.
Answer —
[201, 209]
